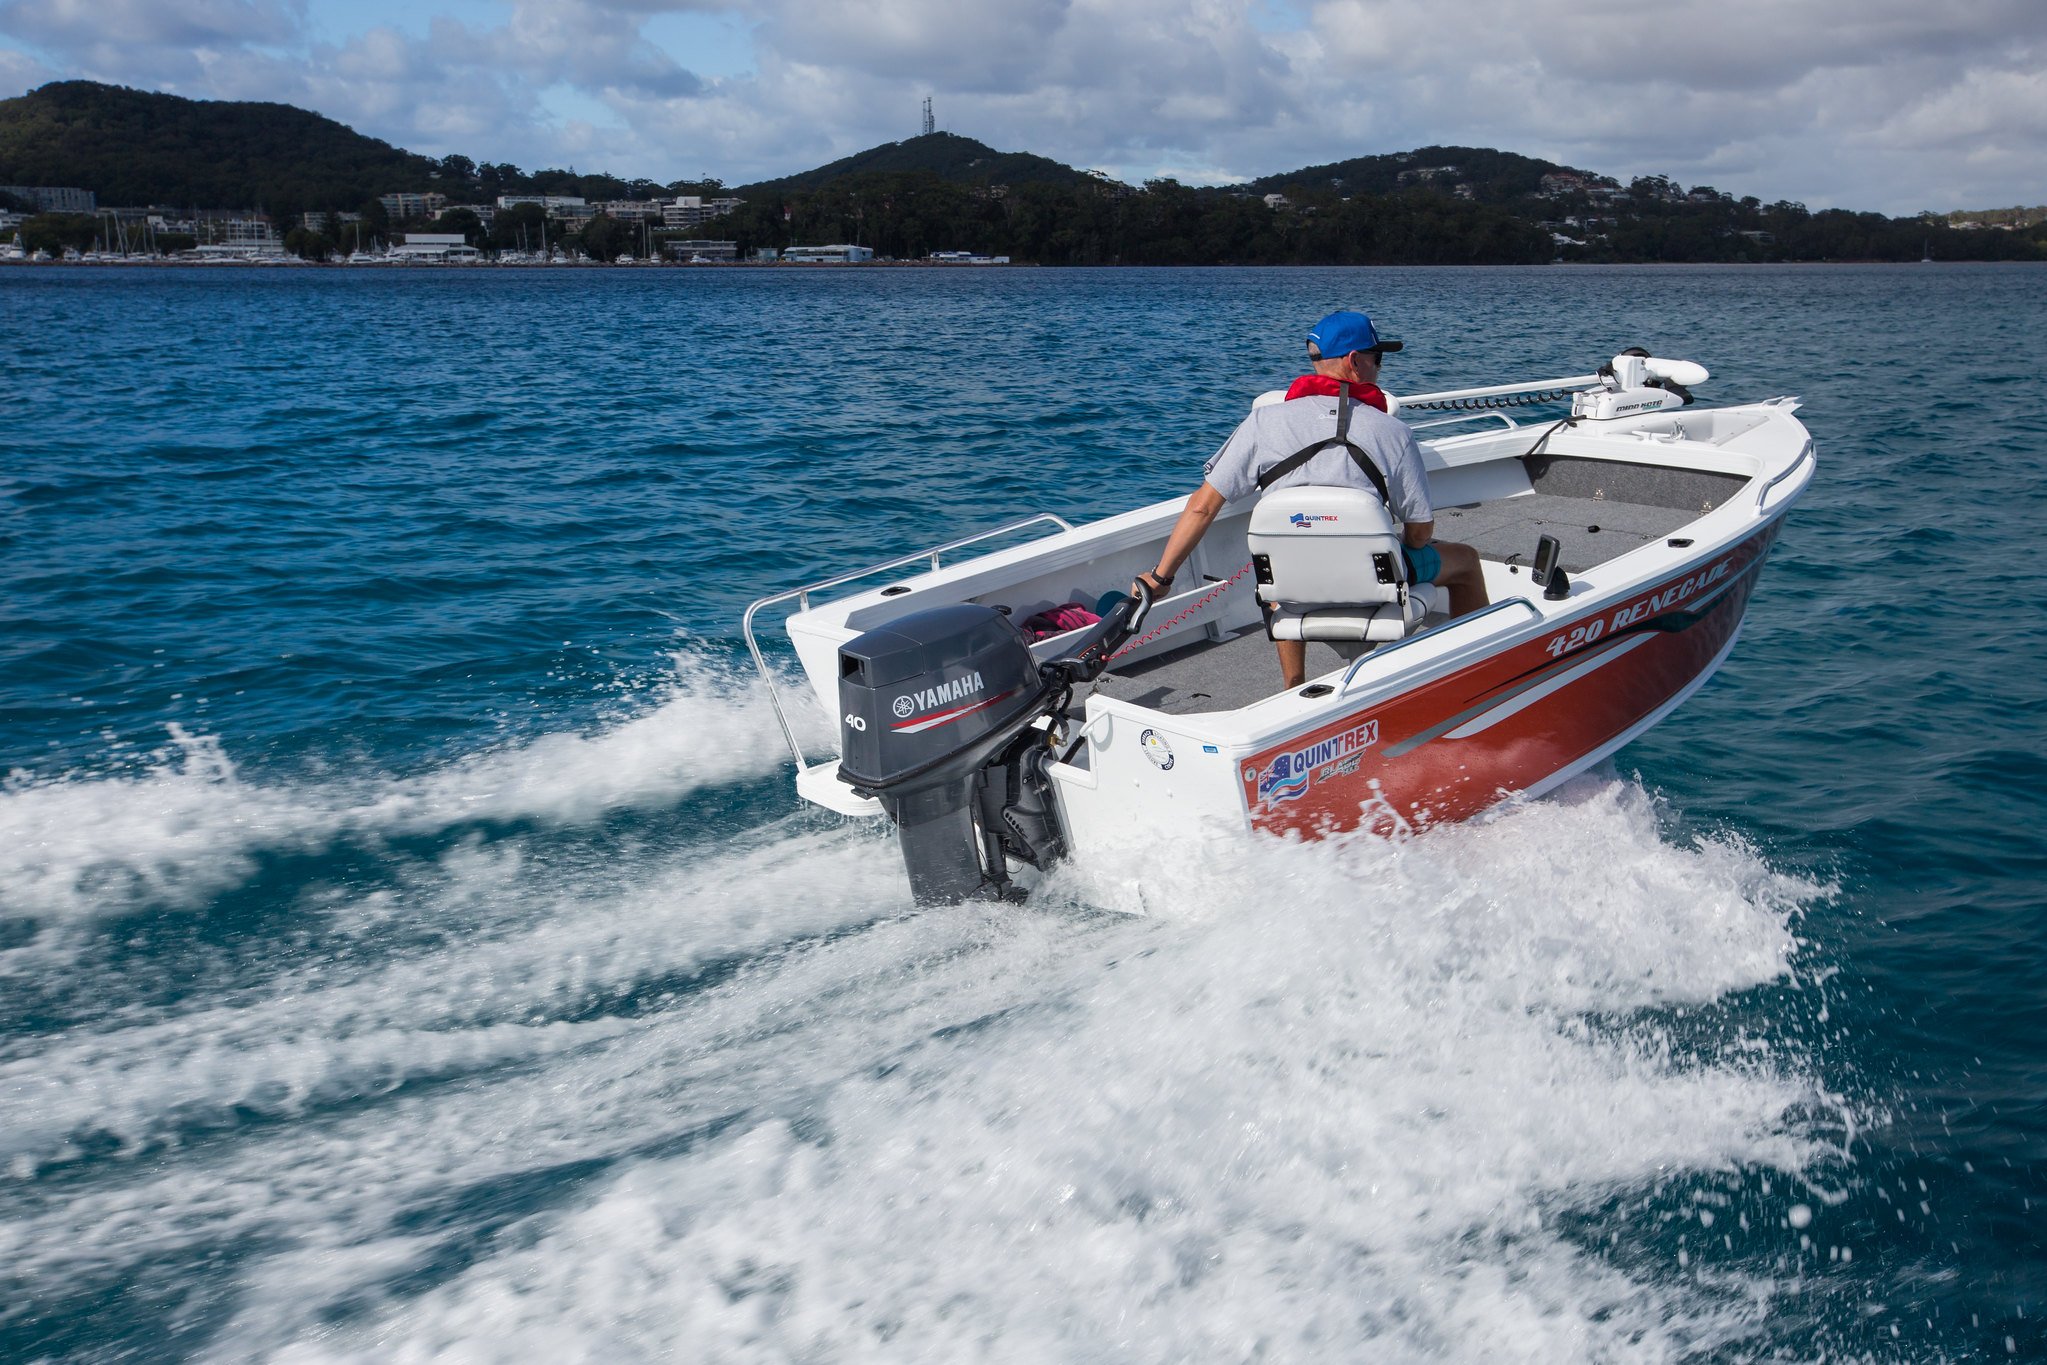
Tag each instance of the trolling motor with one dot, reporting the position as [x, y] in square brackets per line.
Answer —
[937, 723]
[1635, 382]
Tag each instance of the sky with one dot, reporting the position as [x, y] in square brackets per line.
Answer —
[1894, 105]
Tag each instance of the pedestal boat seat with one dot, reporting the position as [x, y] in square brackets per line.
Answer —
[1328, 557]
[1329, 567]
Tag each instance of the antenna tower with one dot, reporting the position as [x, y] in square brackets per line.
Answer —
[930, 124]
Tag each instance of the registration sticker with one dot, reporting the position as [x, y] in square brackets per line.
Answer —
[1156, 749]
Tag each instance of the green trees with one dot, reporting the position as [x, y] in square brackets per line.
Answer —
[1095, 222]
[505, 178]
[137, 147]
[947, 156]
[52, 232]
[605, 238]
[308, 244]
[1661, 221]
[517, 228]
[1490, 176]
[374, 226]
[465, 222]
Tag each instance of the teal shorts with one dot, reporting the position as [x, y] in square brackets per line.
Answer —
[1424, 564]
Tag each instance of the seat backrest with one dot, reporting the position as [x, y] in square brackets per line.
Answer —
[1315, 545]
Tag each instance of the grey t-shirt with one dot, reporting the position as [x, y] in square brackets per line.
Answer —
[1273, 432]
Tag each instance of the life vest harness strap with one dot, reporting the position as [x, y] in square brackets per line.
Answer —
[1341, 438]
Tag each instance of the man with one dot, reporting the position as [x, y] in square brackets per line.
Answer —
[1346, 352]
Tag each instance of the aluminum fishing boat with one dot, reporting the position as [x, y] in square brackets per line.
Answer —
[1619, 545]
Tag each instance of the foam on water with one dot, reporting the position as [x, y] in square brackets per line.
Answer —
[745, 1104]
[84, 847]
[323, 1035]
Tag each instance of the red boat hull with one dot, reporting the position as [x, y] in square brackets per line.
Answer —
[1454, 746]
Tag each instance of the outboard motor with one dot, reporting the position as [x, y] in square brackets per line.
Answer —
[936, 722]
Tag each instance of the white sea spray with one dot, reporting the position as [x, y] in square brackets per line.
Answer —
[1325, 1098]
[84, 847]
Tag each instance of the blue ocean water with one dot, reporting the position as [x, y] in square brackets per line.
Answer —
[410, 944]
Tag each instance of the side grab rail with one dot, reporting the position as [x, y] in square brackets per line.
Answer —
[1763, 494]
[803, 593]
[1383, 650]
[1469, 417]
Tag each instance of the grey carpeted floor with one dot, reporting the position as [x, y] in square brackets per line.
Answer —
[1507, 528]
[1211, 675]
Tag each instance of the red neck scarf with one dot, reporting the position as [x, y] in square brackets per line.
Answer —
[1322, 386]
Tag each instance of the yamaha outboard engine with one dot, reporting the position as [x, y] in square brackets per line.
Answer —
[936, 722]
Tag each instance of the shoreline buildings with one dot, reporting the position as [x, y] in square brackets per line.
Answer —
[837, 254]
[53, 199]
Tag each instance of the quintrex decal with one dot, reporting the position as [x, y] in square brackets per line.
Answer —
[1288, 775]
[1306, 519]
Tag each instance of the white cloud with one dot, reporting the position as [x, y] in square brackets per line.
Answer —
[19, 71]
[1891, 104]
[69, 25]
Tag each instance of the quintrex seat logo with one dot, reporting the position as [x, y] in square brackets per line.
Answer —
[1304, 519]
[1288, 775]
[945, 694]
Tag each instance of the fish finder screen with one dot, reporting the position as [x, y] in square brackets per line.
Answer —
[1546, 552]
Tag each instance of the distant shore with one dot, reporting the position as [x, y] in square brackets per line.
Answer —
[295, 263]
[487, 267]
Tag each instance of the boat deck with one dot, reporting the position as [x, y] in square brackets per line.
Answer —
[1241, 668]
[1210, 675]
[1591, 531]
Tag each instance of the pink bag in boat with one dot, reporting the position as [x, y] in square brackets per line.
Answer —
[1058, 620]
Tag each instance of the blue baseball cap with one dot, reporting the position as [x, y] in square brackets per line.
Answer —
[1341, 333]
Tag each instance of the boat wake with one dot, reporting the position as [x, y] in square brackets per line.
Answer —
[188, 827]
[715, 1090]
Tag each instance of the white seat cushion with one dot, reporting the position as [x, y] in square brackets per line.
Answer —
[1380, 623]
[1317, 544]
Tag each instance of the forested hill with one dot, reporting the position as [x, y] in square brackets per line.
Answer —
[945, 155]
[1492, 176]
[138, 147]
[938, 192]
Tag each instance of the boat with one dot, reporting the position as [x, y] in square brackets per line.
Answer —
[1620, 545]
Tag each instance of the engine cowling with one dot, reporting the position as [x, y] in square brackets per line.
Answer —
[936, 709]
[936, 723]
[927, 687]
